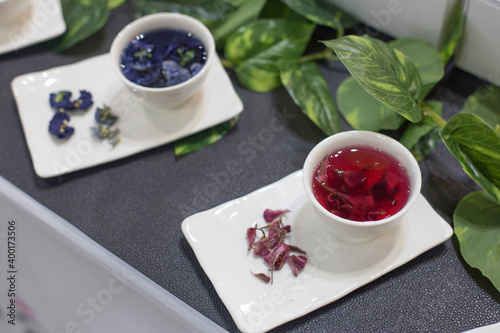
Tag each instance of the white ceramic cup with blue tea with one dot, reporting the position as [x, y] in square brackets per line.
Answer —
[163, 97]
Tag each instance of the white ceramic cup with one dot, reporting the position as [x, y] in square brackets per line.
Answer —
[12, 9]
[167, 97]
[357, 231]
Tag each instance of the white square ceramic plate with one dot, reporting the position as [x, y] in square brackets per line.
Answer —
[334, 269]
[42, 21]
[63, 281]
[141, 127]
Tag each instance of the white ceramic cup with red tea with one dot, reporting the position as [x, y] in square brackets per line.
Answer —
[356, 213]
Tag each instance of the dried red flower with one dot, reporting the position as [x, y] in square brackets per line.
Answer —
[270, 215]
[297, 263]
[251, 234]
[262, 276]
[272, 246]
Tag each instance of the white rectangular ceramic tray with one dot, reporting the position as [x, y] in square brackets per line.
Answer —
[141, 127]
[65, 282]
[334, 269]
[42, 20]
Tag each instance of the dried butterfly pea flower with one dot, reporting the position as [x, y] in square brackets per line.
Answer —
[104, 132]
[104, 116]
[59, 125]
[84, 101]
[195, 68]
[61, 101]
[105, 119]
[142, 63]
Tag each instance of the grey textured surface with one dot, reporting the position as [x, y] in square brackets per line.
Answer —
[134, 207]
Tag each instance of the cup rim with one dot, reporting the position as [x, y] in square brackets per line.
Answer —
[115, 52]
[415, 176]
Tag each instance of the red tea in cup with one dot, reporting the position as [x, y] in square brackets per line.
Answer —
[361, 184]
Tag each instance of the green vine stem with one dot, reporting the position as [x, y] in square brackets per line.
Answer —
[433, 116]
[327, 54]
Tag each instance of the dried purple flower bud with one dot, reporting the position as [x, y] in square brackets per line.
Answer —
[251, 234]
[59, 125]
[287, 228]
[263, 277]
[270, 215]
[297, 263]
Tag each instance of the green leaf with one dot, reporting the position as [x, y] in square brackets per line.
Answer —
[476, 224]
[425, 57]
[363, 111]
[83, 18]
[204, 138]
[310, 92]
[277, 9]
[385, 73]
[486, 104]
[322, 13]
[247, 12]
[257, 46]
[112, 4]
[421, 138]
[426, 144]
[261, 35]
[210, 12]
[477, 148]
[452, 33]
[415, 131]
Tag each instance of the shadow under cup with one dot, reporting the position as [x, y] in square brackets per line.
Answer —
[356, 231]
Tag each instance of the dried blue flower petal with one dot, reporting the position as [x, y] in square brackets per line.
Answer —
[114, 138]
[141, 63]
[195, 68]
[174, 73]
[104, 132]
[182, 50]
[104, 116]
[61, 101]
[59, 125]
[84, 101]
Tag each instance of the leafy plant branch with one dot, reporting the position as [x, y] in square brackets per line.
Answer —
[264, 41]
